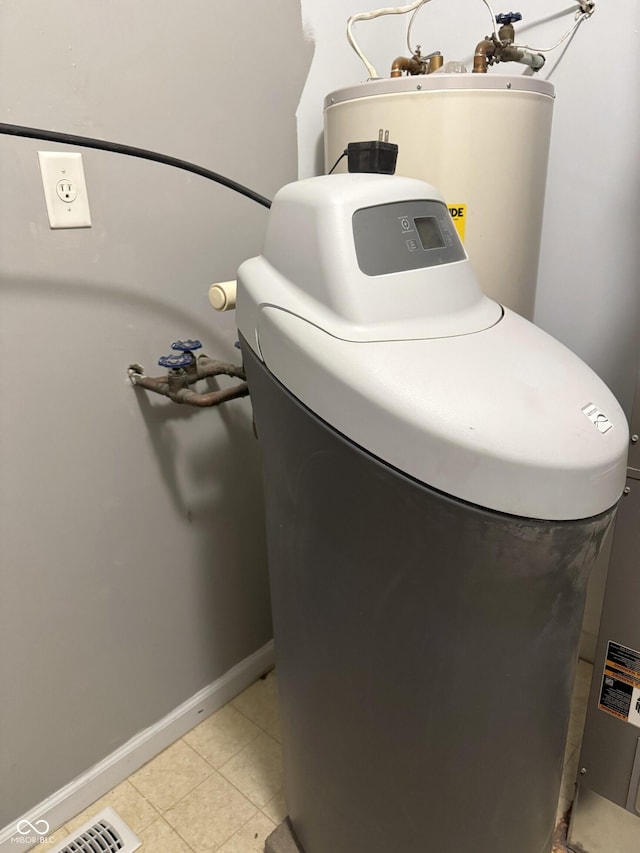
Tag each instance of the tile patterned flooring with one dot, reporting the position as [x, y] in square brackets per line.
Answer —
[219, 788]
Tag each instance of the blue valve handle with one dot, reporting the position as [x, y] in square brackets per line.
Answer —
[508, 17]
[174, 362]
[186, 346]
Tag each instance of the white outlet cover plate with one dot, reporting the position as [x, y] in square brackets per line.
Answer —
[65, 189]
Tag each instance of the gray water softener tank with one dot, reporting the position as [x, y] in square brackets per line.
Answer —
[439, 475]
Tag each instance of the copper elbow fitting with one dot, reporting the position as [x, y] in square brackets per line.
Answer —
[484, 50]
[404, 63]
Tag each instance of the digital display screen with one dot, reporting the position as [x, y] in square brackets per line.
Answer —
[429, 233]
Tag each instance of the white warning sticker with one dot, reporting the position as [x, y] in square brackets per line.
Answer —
[634, 710]
[597, 418]
[620, 688]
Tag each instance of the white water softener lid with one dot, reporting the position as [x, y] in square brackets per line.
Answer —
[364, 306]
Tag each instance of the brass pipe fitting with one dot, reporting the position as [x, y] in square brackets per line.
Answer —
[525, 57]
[405, 63]
[507, 34]
[510, 54]
[483, 53]
[435, 62]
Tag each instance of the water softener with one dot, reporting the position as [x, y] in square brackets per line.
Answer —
[439, 474]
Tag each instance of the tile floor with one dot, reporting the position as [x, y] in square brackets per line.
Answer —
[219, 788]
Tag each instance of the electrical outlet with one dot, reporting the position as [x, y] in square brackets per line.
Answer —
[65, 190]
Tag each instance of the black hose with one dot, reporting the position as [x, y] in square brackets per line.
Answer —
[130, 151]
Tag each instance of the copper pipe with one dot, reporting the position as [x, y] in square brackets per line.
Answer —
[484, 50]
[186, 395]
[179, 392]
[404, 63]
[212, 367]
[213, 398]
[510, 54]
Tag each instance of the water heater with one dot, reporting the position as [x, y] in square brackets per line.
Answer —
[483, 141]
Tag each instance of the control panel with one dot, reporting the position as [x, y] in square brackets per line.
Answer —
[401, 236]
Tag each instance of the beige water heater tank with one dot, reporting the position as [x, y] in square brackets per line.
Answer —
[483, 141]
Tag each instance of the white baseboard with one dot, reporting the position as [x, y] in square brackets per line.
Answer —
[69, 801]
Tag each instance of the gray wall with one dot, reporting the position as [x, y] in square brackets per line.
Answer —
[132, 562]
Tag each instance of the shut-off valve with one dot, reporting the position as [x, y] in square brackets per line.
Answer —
[185, 369]
[501, 47]
[182, 364]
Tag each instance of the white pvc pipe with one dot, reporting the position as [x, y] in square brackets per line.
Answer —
[222, 295]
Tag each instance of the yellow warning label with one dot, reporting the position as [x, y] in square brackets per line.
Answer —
[459, 215]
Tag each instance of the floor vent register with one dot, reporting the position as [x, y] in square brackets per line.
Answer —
[104, 833]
